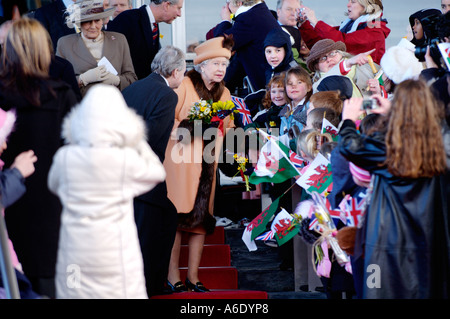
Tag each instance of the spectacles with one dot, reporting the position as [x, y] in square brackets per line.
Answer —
[332, 54]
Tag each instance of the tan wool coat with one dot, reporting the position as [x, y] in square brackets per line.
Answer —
[183, 161]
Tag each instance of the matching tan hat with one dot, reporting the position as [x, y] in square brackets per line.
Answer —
[212, 48]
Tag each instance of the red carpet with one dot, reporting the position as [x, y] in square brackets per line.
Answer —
[215, 272]
[217, 294]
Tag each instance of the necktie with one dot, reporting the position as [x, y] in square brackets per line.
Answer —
[155, 31]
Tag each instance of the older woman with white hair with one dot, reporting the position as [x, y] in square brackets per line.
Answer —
[97, 56]
[363, 30]
[191, 172]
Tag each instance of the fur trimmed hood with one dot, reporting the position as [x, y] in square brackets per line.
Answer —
[7, 121]
[103, 118]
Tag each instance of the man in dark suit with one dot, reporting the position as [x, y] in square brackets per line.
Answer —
[249, 30]
[140, 27]
[52, 17]
[156, 217]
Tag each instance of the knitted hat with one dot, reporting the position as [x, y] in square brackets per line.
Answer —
[400, 64]
[7, 120]
[322, 47]
[87, 10]
[210, 49]
[359, 173]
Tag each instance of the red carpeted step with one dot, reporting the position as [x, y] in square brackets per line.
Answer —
[225, 277]
[218, 237]
[216, 294]
[213, 255]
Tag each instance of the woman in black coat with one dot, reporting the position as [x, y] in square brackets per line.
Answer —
[40, 103]
[405, 238]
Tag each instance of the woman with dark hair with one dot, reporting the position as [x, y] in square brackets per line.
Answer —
[421, 32]
[405, 236]
[40, 103]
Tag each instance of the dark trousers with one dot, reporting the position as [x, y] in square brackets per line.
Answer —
[157, 226]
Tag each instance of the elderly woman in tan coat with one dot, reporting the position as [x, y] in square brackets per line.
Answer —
[97, 56]
[189, 162]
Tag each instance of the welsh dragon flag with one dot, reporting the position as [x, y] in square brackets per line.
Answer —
[273, 164]
[258, 225]
[317, 176]
[283, 227]
[327, 127]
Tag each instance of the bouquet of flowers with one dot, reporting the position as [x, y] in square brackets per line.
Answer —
[223, 109]
[201, 110]
[205, 110]
[327, 230]
[242, 161]
[212, 114]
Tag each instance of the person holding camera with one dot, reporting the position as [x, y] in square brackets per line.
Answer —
[363, 30]
[436, 72]
[405, 234]
[421, 32]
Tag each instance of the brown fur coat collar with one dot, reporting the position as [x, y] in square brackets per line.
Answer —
[214, 94]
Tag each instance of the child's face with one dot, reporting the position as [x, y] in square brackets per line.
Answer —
[417, 29]
[304, 50]
[277, 95]
[274, 55]
[296, 89]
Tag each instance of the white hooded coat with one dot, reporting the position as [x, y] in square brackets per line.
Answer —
[105, 164]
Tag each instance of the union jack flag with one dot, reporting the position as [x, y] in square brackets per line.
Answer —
[296, 159]
[243, 110]
[266, 236]
[354, 210]
[336, 215]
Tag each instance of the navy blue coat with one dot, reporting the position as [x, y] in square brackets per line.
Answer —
[280, 39]
[135, 25]
[155, 101]
[51, 16]
[249, 30]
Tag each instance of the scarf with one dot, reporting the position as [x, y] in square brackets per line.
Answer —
[349, 26]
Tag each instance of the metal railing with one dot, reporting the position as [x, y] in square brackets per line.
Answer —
[7, 270]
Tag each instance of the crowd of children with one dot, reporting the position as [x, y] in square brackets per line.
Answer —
[296, 103]
[394, 151]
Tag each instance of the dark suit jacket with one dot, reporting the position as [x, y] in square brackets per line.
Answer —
[52, 18]
[155, 101]
[249, 31]
[135, 25]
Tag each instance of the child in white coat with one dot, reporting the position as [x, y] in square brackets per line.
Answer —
[106, 163]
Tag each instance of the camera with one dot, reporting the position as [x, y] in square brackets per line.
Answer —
[369, 104]
[300, 18]
[430, 25]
